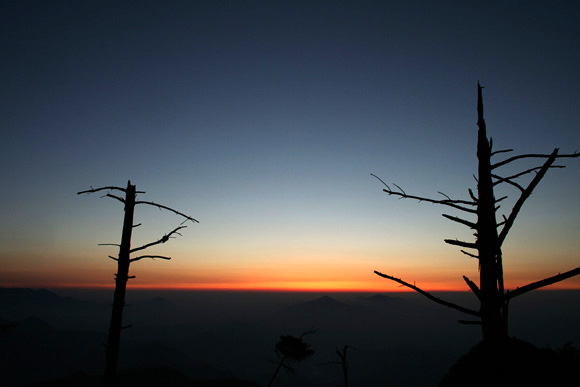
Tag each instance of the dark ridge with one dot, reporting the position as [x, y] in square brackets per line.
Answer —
[34, 324]
[378, 298]
[516, 363]
[146, 377]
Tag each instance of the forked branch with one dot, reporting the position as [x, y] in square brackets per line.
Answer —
[163, 239]
[446, 202]
[429, 296]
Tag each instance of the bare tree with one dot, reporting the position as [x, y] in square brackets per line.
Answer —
[343, 362]
[489, 234]
[124, 259]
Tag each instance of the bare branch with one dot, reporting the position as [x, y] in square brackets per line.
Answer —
[507, 161]
[160, 206]
[506, 180]
[109, 188]
[447, 197]
[429, 296]
[501, 151]
[113, 258]
[456, 242]
[502, 222]
[450, 203]
[524, 196]
[400, 189]
[136, 225]
[500, 199]
[469, 254]
[379, 179]
[149, 256]
[163, 239]
[311, 331]
[108, 244]
[116, 197]
[459, 220]
[542, 283]
[473, 287]
[471, 195]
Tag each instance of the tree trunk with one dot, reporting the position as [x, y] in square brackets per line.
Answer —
[121, 278]
[277, 370]
[489, 251]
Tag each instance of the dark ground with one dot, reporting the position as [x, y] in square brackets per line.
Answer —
[398, 339]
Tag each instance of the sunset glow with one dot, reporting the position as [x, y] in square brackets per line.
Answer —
[265, 122]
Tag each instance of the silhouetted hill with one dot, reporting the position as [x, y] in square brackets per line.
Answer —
[144, 377]
[515, 363]
[34, 350]
[325, 313]
[62, 312]
[397, 334]
[55, 353]
[36, 325]
[379, 298]
[319, 306]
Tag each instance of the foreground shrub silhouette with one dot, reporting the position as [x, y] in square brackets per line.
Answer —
[291, 349]
[487, 249]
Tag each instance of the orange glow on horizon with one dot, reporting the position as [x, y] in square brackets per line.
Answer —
[289, 286]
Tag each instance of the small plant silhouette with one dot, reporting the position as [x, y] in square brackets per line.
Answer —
[291, 349]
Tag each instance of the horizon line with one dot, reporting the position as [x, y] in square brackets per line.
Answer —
[249, 289]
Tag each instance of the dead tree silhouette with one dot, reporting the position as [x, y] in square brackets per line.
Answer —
[343, 362]
[493, 297]
[123, 261]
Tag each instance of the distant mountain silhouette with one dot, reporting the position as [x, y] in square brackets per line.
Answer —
[61, 312]
[36, 325]
[55, 353]
[322, 305]
[35, 350]
[324, 313]
[382, 298]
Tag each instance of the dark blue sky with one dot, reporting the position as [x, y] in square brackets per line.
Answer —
[265, 119]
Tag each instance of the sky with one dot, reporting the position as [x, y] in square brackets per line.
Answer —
[264, 121]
